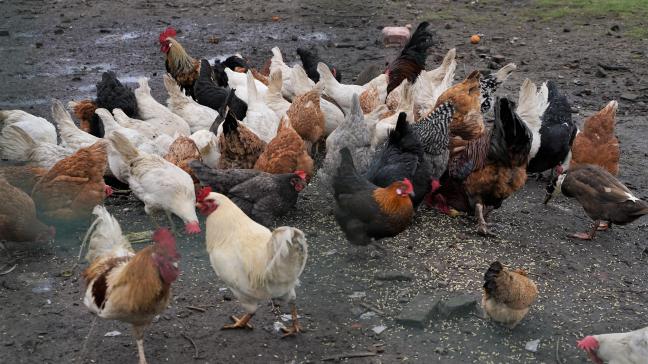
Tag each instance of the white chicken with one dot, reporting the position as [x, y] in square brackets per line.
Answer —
[341, 93]
[277, 63]
[532, 103]
[238, 81]
[40, 154]
[405, 105]
[71, 135]
[157, 114]
[619, 348]
[273, 98]
[260, 118]
[146, 129]
[198, 117]
[255, 263]
[39, 129]
[208, 146]
[430, 85]
[161, 185]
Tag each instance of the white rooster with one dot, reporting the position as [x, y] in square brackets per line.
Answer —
[619, 348]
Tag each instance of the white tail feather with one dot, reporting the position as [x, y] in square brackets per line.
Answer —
[106, 239]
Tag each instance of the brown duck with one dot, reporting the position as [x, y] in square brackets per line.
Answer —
[603, 196]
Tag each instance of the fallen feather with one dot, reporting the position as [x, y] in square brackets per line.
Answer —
[113, 334]
[532, 346]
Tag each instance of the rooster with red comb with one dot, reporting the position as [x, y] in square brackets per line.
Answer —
[622, 348]
[180, 65]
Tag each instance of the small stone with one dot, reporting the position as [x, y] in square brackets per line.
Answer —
[482, 49]
[532, 346]
[58, 31]
[294, 38]
[493, 65]
[448, 26]
[4, 33]
[566, 30]
[615, 28]
[419, 311]
[457, 306]
[9, 343]
[629, 96]
[497, 39]
[112, 334]
[357, 294]
[38, 45]
[600, 73]
[379, 329]
[76, 78]
[498, 58]
[344, 45]
[578, 82]
[394, 276]
[104, 31]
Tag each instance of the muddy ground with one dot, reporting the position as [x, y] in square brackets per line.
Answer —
[58, 49]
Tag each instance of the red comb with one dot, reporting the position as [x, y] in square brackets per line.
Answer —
[407, 182]
[168, 32]
[204, 192]
[163, 235]
[301, 174]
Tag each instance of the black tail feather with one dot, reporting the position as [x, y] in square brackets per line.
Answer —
[491, 274]
[511, 137]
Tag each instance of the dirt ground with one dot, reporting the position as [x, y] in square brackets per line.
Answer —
[58, 49]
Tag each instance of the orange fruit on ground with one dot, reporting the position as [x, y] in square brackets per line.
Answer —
[474, 39]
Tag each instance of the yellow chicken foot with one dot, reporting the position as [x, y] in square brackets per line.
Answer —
[295, 328]
[240, 323]
[587, 236]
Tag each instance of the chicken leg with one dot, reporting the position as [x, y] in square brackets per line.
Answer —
[171, 223]
[587, 235]
[138, 333]
[295, 328]
[482, 227]
[240, 323]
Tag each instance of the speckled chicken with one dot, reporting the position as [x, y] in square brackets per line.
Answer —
[508, 295]
[239, 146]
[285, 153]
[182, 151]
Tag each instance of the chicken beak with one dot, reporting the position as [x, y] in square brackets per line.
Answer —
[412, 194]
[198, 205]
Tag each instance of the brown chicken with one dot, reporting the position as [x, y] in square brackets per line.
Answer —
[239, 146]
[182, 151]
[411, 60]
[74, 186]
[22, 176]
[507, 294]
[467, 121]
[596, 143]
[306, 117]
[182, 67]
[260, 77]
[285, 153]
[369, 99]
[18, 221]
[84, 111]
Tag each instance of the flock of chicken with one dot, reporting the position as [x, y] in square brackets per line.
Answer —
[399, 139]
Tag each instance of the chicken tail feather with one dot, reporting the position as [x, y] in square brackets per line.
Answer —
[124, 146]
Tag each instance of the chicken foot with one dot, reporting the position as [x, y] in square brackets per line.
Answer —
[587, 235]
[482, 226]
[240, 323]
[171, 223]
[295, 328]
[138, 333]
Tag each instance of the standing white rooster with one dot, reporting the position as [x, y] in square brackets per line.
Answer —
[161, 185]
[620, 348]
[255, 263]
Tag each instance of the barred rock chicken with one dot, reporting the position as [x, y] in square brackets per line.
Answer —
[556, 132]
[238, 145]
[12, 123]
[402, 157]
[18, 221]
[596, 143]
[365, 211]
[182, 151]
[433, 132]
[262, 196]
[180, 65]
[159, 184]
[618, 348]
[508, 295]
[127, 286]
[73, 187]
[198, 117]
[412, 58]
[489, 83]
[255, 263]
[208, 93]
[467, 121]
[487, 170]
[603, 197]
[285, 153]
[310, 59]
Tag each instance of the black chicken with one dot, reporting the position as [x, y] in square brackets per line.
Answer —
[402, 156]
[310, 59]
[209, 94]
[262, 196]
[112, 94]
[412, 59]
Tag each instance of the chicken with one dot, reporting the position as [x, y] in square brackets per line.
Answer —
[365, 211]
[431, 84]
[126, 286]
[111, 94]
[182, 151]
[238, 145]
[467, 121]
[84, 110]
[197, 116]
[273, 98]
[285, 153]
[209, 94]
[181, 66]
[556, 133]
[310, 59]
[23, 176]
[433, 131]
[532, 104]
[18, 221]
[333, 116]
[157, 114]
[40, 154]
[147, 130]
[73, 187]
[255, 263]
[262, 196]
[618, 348]
[39, 129]
[596, 143]
[71, 136]
[207, 144]
[384, 125]
[306, 117]
[277, 63]
[239, 82]
[508, 295]
[490, 83]
[402, 157]
[342, 94]
[369, 100]
[159, 184]
[603, 197]
[260, 118]
[354, 133]
[412, 59]
[487, 170]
